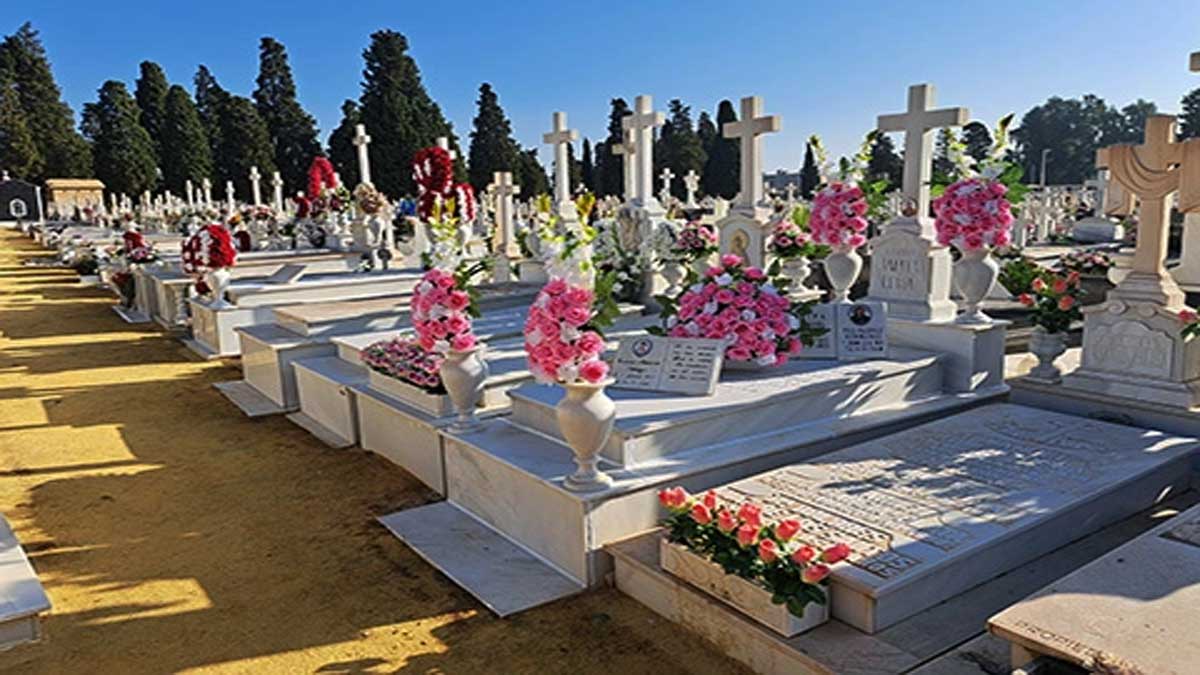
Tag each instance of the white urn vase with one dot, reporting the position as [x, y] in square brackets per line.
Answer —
[218, 283]
[463, 373]
[797, 270]
[1047, 347]
[974, 275]
[842, 268]
[674, 273]
[585, 418]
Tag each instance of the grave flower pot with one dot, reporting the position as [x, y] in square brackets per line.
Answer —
[842, 267]
[674, 273]
[437, 405]
[974, 275]
[797, 270]
[743, 595]
[463, 374]
[586, 416]
[1047, 347]
[218, 282]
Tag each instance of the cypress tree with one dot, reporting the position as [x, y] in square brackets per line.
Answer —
[943, 167]
[706, 129]
[342, 151]
[810, 175]
[679, 147]
[609, 167]
[492, 145]
[587, 175]
[151, 94]
[123, 152]
[977, 139]
[293, 132]
[19, 155]
[185, 150]
[1189, 116]
[401, 116]
[530, 175]
[574, 169]
[886, 163]
[245, 142]
[64, 153]
[209, 99]
[722, 172]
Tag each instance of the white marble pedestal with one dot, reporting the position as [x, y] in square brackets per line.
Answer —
[973, 354]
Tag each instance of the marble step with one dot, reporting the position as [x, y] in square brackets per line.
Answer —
[327, 401]
[323, 287]
[763, 406]
[22, 599]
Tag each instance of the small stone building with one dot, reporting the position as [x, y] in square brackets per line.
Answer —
[64, 195]
[20, 202]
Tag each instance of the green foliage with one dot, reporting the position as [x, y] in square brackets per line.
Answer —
[978, 140]
[186, 154]
[678, 147]
[810, 175]
[885, 163]
[610, 172]
[292, 132]
[19, 154]
[1017, 275]
[606, 310]
[244, 142]
[343, 154]
[722, 171]
[63, 152]
[530, 174]
[209, 97]
[492, 146]
[150, 92]
[587, 168]
[399, 114]
[1189, 116]
[123, 152]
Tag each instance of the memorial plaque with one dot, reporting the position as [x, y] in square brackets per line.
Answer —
[677, 365]
[288, 274]
[861, 330]
[824, 346]
[1187, 532]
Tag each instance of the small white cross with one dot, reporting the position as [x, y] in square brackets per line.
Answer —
[277, 183]
[444, 143]
[641, 122]
[627, 149]
[255, 188]
[918, 123]
[361, 141]
[504, 190]
[560, 137]
[691, 183]
[665, 177]
[748, 130]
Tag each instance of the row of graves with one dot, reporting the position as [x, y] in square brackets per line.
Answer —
[813, 486]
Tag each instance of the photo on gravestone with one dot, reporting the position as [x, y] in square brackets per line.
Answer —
[676, 365]
[856, 330]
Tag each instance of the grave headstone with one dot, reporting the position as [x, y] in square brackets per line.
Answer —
[744, 231]
[674, 365]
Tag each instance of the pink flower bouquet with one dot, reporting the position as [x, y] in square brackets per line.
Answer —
[972, 214]
[559, 344]
[694, 241]
[405, 359]
[441, 313]
[839, 216]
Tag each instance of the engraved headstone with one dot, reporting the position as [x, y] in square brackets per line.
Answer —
[678, 365]
[861, 330]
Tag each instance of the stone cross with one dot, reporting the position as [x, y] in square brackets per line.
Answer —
[443, 143]
[791, 193]
[560, 137]
[206, 185]
[361, 141]
[1151, 173]
[641, 123]
[191, 193]
[255, 185]
[918, 123]
[229, 202]
[691, 183]
[277, 197]
[748, 130]
[627, 150]
[504, 190]
[664, 194]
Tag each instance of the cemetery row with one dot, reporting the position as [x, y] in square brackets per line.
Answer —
[722, 407]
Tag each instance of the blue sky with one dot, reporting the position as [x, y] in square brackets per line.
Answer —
[826, 69]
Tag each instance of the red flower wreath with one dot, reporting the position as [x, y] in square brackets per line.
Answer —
[209, 249]
[320, 177]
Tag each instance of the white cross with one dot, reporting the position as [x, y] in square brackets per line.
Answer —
[918, 123]
[666, 176]
[361, 141]
[748, 130]
[791, 192]
[444, 143]
[560, 136]
[504, 190]
[190, 189]
[641, 122]
[229, 195]
[627, 150]
[206, 184]
[691, 183]
[277, 183]
[255, 187]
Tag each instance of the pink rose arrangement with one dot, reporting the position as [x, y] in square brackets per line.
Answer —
[838, 217]
[737, 538]
[694, 241]
[560, 344]
[1190, 321]
[441, 313]
[1087, 263]
[1054, 299]
[740, 305]
[404, 358]
[790, 238]
[972, 214]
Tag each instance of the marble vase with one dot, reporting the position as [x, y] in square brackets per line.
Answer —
[1047, 347]
[842, 267]
[585, 418]
[974, 275]
[674, 273]
[463, 374]
[218, 283]
[797, 271]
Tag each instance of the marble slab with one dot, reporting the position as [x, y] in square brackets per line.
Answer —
[248, 399]
[324, 287]
[22, 599]
[942, 507]
[1134, 607]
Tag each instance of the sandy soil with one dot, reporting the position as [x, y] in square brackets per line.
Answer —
[174, 534]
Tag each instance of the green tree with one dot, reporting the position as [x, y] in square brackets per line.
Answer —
[64, 153]
[943, 166]
[293, 132]
[610, 171]
[530, 174]
[342, 151]
[209, 98]
[574, 169]
[722, 171]
[706, 129]
[1133, 122]
[492, 146]
[1189, 117]
[123, 151]
[151, 95]
[810, 174]
[885, 162]
[245, 142]
[587, 174]
[185, 150]
[678, 147]
[19, 155]
[978, 140]
[1071, 130]
[401, 116]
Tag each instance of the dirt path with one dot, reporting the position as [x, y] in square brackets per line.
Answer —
[174, 534]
